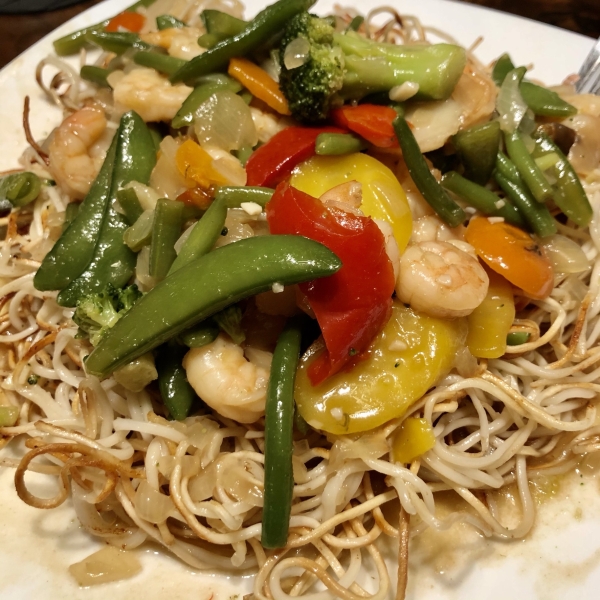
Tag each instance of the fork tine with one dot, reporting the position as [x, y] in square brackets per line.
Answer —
[589, 74]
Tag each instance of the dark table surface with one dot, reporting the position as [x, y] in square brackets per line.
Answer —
[19, 31]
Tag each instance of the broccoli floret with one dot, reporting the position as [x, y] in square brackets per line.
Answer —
[98, 312]
[336, 67]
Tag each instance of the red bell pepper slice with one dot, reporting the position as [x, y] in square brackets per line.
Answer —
[354, 304]
[274, 161]
[129, 20]
[371, 121]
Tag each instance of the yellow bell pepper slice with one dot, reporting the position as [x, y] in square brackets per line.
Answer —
[490, 322]
[408, 357]
[412, 439]
[196, 165]
[382, 194]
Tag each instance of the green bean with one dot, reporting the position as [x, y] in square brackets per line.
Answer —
[20, 188]
[70, 213]
[205, 286]
[203, 236]
[168, 22]
[426, 183]
[74, 42]
[338, 143]
[532, 175]
[140, 233]
[536, 214]
[570, 196]
[229, 321]
[166, 230]
[279, 423]
[221, 24]
[176, 392]
[516, 338]
[117, 41]
[481, 198]
[200, 335]
[477, 149]
[243, 154]
[502, 68]
[547, 161]
[204, 90]
[96, 75]
[163, 63]
[234, 196]
[129, 202]
[356, 22]
[507, 168]
[267, 23]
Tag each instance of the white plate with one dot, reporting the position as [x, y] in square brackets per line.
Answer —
[560, 560]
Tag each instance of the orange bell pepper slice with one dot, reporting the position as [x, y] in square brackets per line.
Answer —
[371, 121]
[131, 21]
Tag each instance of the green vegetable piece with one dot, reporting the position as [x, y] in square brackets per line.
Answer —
[163, 63]
[537, 215]
[140, 233]
[570, 196]
[507, 168]
[335, 144]
[206, 286]
[532, 175]
[165, 232]
[243, 154]
[9, 415]
[266, 24]
[347, 66]
[99, 311]
[234, 196]
[168, 22]
[279, 424]
[202, 92]
[356, 23]
[541, 100]
[96, 75]
[70, 213]
[20, 188]
[208, 40]
[477, 149]
[221, 24]
[203, 236]
[74, 42]
[137, 374]
[200, 335]
[176, 392]
[129, 202]
[117, 41]
[481, 198]
[516, 338]
[229, 320]
[426, 183]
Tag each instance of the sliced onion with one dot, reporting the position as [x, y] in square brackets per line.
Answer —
[147, 196]
[106, 565]
[510, 104]
[225, 121]
[434, 122]
[296, 53]
[151, 505]
[565, 254]
[166, 178]
[584, 154]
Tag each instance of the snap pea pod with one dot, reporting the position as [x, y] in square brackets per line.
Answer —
[203, 236]
[130, 204]
[267, 23]
[536, 214]
[219, 27]
[118, 41]
[204, 90]
[19, 189]
[432, 191]
[279, 425]
[168, 22]
[74, 42]
[570, 196]
[477, 149]
[481, 198]
[540, 100]
[234, 196]
[532, 175]
[97, 75]
[175, 390]
[163, 63]
[336, 144]
[200, 335]
[208, 40]
[91, 253]
[166, 230]
[70, 213]
[206, 285]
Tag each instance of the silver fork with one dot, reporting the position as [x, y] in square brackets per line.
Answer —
[589, 74]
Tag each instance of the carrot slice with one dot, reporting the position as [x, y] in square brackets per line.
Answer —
[131, 21]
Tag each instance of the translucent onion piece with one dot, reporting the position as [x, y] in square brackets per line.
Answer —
[434, 122]
[151, 505]
[106, 565]
[585, 152]
[296, 53]
[147, 196]
[510, 104]
[565, 254]
[225, 121]
[166, 178]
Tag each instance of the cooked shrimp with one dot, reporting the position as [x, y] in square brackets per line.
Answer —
[70, 151]
[430, 228]
[346, 196]
[268, 124]
[181, 42]
[440, 280]
[227, 381]
[147, 92]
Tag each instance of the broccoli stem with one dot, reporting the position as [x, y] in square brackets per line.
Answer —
[378, 67]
